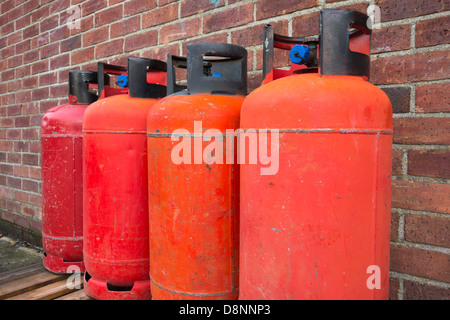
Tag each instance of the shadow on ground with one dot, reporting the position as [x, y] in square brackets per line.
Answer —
[15, 254]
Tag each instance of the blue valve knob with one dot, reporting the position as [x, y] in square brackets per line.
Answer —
[217, 74]
[300, 54]
[122, 81]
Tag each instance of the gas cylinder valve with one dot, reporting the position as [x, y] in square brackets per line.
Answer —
[300, 54]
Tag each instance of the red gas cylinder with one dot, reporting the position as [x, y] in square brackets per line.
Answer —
[316, 225]
[116, 241]
[62, 180]
[193, 184]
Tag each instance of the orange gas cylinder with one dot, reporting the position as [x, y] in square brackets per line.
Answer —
[317, 225]
[62, 180]
[116, 239]
[193, 186]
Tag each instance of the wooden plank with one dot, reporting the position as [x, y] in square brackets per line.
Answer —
[28, 283]
[47, 292]
[20, 272]
[77, 295]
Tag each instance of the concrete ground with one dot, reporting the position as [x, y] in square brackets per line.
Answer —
[15, 254]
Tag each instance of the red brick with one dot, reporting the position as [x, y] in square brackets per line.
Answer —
[15, 183]
[23, 21]
[109, 15]
[400, 9]
[39, 67]
[136, 6]
[15, 13]
[433, 98]
[22, 97]
[15, 61]
[422, 196]
[421, 291]
[47, 79]
[8, 99]
[21, 146]
[7, 5]
[179, 30]
[22, 121]
[22, 222]
[270, 8]
[30, 159]
[141, 40]
[419, 262]
[60, 61]
[6, 168]
[125, 26]
[29, 211]
[160, 15]
[3, 42]
[96, 36]
[58, 6]
[305, 25]
[8, 28]
[31, 108]
[82, 55]
[13, 206]
[86, 23]
[30, 134]
[31, 56]
[41, 40]
[429, 163]
[408, 68]
[30, 82]
[427, 229]
[14, 85]
[91, 6]
[40, 14]
[40, 93]
[228, 18]
[7, 52]
[8, 75]
[397, 158]
[21, 171]
[49, 23]
[7, 216]
[49, 50]
[164, 2]
[36, 225]
[161, 52]
[58, 91]
[253, 36]
[190, 7]
[30, 185]
[395, 220]
[35, 146]
[14, 37]
[392, 38]
[400, 98]
[109, 48]
[13, 134]
[35, 173]
[59, 33]
[422, 130]
[30, 5]
[432, 32]
[23, 46]
[6, 123]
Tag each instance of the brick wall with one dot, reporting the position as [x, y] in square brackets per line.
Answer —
[409, 61]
